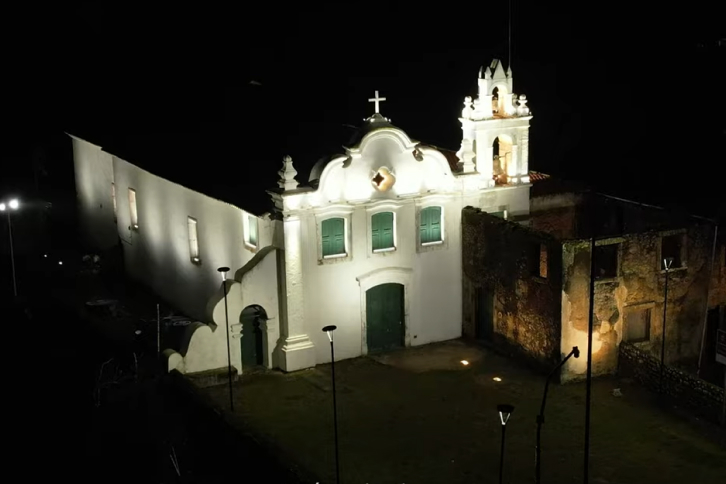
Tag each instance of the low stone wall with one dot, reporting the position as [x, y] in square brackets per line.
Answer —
[700, 397]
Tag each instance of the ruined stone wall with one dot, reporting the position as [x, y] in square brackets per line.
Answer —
[718, 276]
[639, 285]
[701, 397]
[526, 308]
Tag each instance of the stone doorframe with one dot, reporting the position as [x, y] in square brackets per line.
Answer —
[396, 275]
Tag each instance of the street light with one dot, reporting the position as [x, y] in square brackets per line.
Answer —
[11, 205]
[223, 271]
[667, 262]
[505, 411]
[540, 418]
[329, 331]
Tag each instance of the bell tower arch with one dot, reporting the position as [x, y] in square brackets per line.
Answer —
[495, 129]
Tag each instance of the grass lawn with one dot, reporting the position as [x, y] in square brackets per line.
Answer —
[420, 416]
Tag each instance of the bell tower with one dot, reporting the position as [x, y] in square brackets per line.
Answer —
[495, 130]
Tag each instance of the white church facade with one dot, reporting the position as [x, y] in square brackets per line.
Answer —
[371, 243]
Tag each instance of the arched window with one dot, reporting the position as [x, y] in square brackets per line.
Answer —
[333, 237]
[382, 231]
[430, 225]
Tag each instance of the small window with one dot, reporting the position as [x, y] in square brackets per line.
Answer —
[671, 246]
[606, 261]
[430, 228]
[537, 259]
[252, 230]
[382, 231]
[193, 239]
[501, 214]
[113, 199]
[637, 325]
[333, 237]
[132, 209]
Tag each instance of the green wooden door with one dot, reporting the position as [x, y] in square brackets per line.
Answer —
[251, 344]
[384, 317]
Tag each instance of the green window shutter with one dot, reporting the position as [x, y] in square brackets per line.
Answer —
[424, 227]
[333, 236]
[252, 223]
[497, 214]
[430, 225]
[382, 230]
[376, 231]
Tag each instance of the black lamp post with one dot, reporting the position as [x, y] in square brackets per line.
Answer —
[667, 263]
[7, 207]
[505, 411]
[329, 331]
[540, 418]
[224, 271]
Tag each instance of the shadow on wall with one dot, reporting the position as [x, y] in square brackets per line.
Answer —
[252, 295]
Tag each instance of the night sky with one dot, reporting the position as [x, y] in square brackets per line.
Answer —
[625, 97]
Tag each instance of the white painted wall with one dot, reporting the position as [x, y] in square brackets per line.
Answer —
[334, 289]
[93, 169]
[158, 252]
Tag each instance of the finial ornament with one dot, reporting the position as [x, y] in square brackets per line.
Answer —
[466, 112]
[377, 101]
[287, 175]
[522, 109]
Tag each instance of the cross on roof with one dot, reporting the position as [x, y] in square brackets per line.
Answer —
[376, 100]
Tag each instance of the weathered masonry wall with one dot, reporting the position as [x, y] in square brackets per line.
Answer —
[497, 256]
[634, 295]
[702, 398]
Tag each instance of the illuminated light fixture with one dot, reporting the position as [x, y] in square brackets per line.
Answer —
[505, 411]
[45, 255]
[329, 331]
[223, 271]
[60, 262]
[383, 179]
[195, 259]
[11, 205]
[496, 378]
[136, 226]
[464, 362]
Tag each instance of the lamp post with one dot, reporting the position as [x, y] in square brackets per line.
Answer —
[540, 418]
[329, 331]
[667, 262]
[11, 205]
[505, 411]
[224, 271]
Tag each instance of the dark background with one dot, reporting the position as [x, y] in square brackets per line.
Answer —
[628, 96]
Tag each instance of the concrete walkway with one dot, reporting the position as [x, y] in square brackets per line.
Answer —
[421, 416]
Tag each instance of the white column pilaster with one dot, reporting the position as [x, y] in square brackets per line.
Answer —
[298, 352]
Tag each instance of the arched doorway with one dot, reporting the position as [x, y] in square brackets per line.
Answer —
[385, 317]
[254, 323]
[501, 157]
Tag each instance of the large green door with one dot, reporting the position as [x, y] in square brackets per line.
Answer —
[251, 343]
[384, 317]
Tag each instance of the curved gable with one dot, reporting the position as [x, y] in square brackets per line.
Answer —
[415, 169]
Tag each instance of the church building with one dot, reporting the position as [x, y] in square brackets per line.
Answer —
[371, 243]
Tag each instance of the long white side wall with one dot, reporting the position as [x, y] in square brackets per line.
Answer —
[94, 177]
[158, 253]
